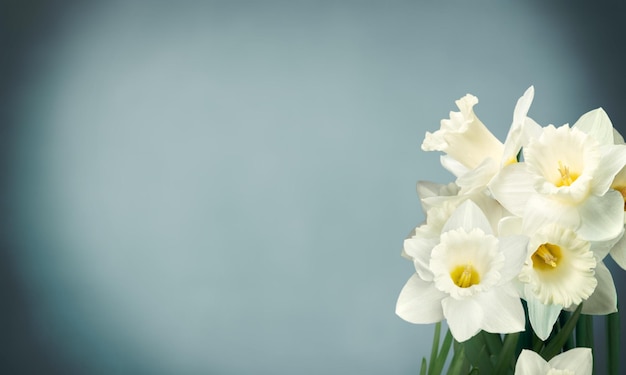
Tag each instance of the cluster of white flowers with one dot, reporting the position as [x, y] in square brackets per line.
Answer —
[531, 218]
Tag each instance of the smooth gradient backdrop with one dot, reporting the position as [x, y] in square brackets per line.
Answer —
[224, 187]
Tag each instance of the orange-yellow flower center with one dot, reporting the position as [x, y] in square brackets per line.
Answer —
[465, 276]
[546, 257]
[567, 177]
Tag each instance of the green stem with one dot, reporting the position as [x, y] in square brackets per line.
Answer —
[556, 343]
[434, 348]
[584, 331]
[613, 330]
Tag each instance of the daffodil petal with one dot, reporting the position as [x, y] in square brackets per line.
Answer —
[510, 226]
[602, 248]
[577, 360]
[479, 177]
[612, 162]
[597, 124]
[512, 187]
[617, 137]
[468, 216]
[603, 300]
[618, 252]
[453, 166]
[542, 317]
[531, 363]
[603, 216]
[418, 249]
[420, 302]
[516, 137]
[542, 210]
[503, 313]
[515, 253]
[463, 317]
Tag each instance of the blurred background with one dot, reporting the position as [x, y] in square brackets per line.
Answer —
[224, 187]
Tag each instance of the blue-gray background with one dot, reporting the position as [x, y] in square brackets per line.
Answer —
[224, 187]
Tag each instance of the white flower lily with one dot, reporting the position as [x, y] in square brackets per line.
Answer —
[565, 178]
[577, 361]
[465, 276]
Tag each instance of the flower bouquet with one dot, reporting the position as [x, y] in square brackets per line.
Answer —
[511, 253]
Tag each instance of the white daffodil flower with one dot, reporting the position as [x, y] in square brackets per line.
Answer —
[464, 275]
[577, 361]
[464, 137]
[565, 178]
[558, 272]
[618, 252]
[474, 154]
[561, 271]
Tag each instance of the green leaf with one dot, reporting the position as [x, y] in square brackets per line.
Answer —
[563, 318]
[478, 355]
[423, 368]
[494, 343]
[459, 363]
[556, 343]
[613, 329]
[507, 355]
[584, 331]
[435, 347]
[437, 367]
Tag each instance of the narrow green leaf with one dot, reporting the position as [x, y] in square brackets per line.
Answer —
[563, 318]
[537, 343]
[423, 370]
[507, 355]
[584, 331]
[494, 343]
[459, 363]
[434, 348]
[437, 368]
[613, 336]
[478, 355]
[474, 371]
[556, 343]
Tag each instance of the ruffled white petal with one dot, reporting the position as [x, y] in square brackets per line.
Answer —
[464, 317]
[503, 313]
[420, 302]
[542, 317]
[571, 279]
[577, 360]
[464, 137]
[531, 363]
[512, 187]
